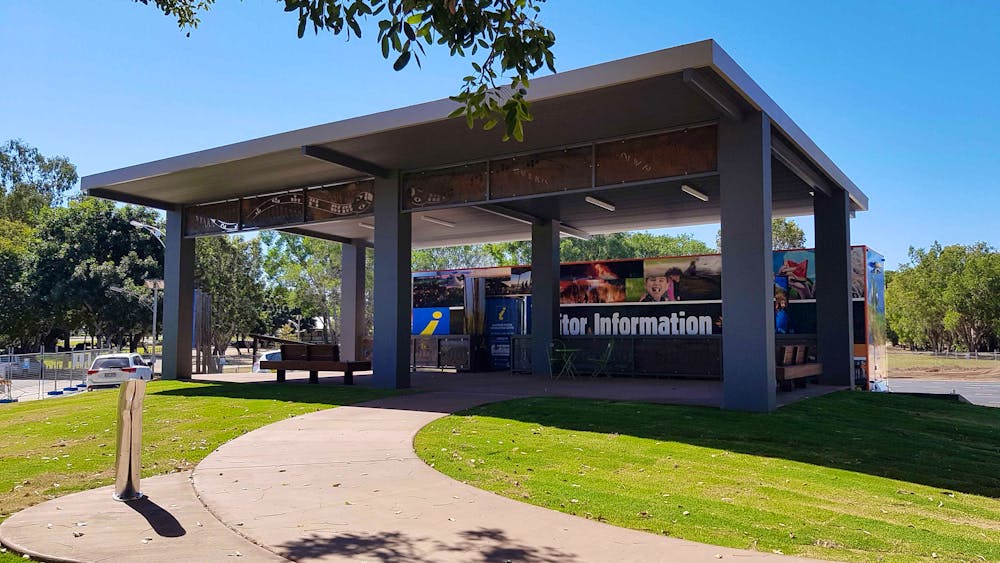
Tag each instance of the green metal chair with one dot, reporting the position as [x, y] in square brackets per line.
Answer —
[561, 361]
[601, 362]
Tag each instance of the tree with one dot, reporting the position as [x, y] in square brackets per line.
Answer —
[785, 234]
[31, 182]
[629, 245]
[945, 296]
[514, 44]
[16, 239]
[82, 251]
[310, 271]
[229, 269]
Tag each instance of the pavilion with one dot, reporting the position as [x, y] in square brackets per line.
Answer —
[631, 132]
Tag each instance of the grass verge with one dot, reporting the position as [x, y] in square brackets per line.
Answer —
[905, 360]
[58, 446]
[849, 476]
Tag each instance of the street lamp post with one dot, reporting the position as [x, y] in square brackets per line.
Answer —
[156, 285]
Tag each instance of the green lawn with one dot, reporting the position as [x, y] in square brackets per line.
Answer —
[849, 476]
[58, 446]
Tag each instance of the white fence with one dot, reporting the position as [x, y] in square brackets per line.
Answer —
[37, 376]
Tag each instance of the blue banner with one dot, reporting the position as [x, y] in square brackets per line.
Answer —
[431, 320]
[503, 316]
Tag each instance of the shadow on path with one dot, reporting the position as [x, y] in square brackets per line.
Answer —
[161, 520]
[482, 544]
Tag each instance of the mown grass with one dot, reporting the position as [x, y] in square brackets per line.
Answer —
[849, 476]
[58, 446]
[904, 360]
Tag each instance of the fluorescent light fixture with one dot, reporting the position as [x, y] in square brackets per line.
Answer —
[693, 192]
[368, 226]
[600, 203]
[436, 221]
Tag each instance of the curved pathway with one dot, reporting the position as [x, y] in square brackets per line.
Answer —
[339, 484]
[345, 483]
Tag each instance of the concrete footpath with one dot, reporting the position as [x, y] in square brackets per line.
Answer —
[339, 484]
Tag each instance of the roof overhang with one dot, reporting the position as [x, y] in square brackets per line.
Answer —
[627, 97]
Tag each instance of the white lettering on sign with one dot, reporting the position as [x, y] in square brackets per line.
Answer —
[617, 324]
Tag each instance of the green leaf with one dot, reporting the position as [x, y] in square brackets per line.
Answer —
[400, 63]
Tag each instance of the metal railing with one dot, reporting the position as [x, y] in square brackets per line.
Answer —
[40, 375]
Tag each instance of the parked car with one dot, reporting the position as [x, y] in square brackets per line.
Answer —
[114, 369]
[267, 355]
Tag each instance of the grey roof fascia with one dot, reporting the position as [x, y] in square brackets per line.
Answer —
[730, 71]
[666, 61]
[672, 60]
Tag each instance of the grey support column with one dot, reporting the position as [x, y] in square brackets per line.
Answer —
[544, 292]
[747, 271]
[178, 299]
[352, 301]
[391, 357]
[834, 311]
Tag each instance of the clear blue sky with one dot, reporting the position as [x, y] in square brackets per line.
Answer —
[901, 95]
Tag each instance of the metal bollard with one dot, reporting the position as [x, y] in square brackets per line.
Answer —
[127, 461]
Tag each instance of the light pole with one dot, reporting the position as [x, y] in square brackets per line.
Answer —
[156, 285]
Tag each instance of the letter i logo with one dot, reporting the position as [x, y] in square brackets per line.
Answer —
[432, 325]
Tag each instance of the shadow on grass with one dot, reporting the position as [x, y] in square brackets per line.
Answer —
[332, 395]
[483, 544]
[945, 444]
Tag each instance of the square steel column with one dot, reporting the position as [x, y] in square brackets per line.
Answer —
[352, 301]
[178, 299]
[393, 294]
[544, 292]
[834, 308]
[747, 270]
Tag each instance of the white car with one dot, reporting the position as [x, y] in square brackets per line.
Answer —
[266, 355]
[113, 369]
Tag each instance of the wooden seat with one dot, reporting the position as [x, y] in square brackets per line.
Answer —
[314, 358]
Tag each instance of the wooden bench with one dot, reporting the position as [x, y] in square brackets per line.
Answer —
[314, 358]
[794, 366]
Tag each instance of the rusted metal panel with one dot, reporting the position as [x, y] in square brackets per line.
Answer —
[539, 173]
[213, 218]
[666, 155]
[459, 184]
[271, 210]
[345, 200]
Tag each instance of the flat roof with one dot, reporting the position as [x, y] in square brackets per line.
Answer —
[635, 95]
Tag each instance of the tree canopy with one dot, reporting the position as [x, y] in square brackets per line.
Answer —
[946, 296]
[31, 182]
[506, 34]
[785, 234]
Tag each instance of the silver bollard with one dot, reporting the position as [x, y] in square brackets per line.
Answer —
[128, 464]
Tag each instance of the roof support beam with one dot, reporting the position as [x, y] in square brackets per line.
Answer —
[324, 236]
[713, 93]
[129, 198]
[346, 160]
[799, 167]
[528, 219]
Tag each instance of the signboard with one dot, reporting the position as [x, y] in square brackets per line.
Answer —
[431, 320]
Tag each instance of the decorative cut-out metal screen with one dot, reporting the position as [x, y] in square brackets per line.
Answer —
[542, 173]
[459, 184]
[658, 156]
[213, 218]
[356, 198]
[268, 211]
